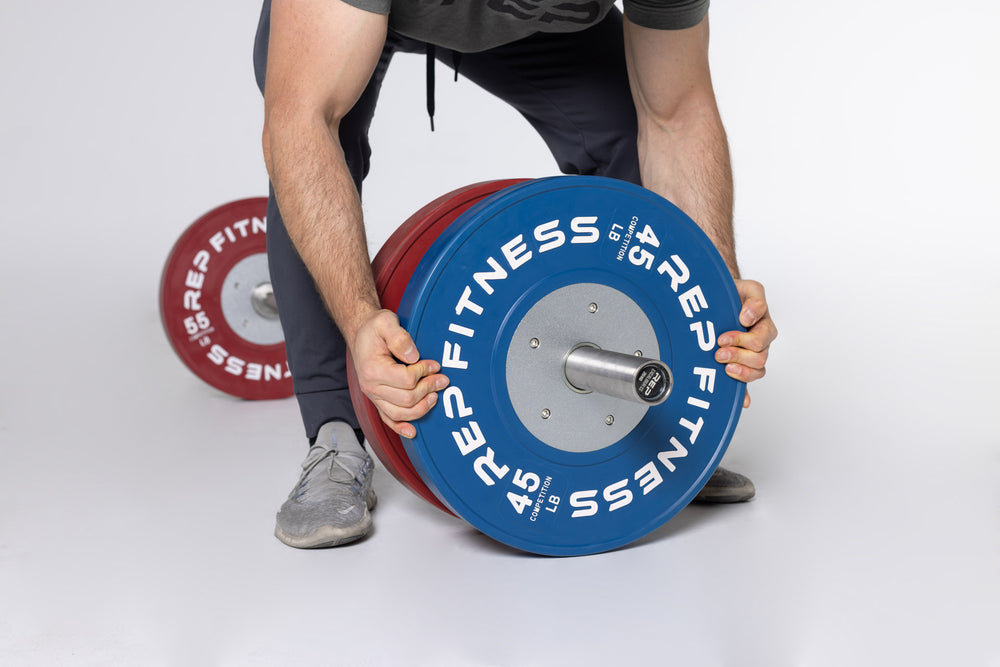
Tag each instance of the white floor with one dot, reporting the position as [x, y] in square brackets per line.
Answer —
[136, 503]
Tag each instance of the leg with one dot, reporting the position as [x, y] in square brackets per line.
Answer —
[573, 88]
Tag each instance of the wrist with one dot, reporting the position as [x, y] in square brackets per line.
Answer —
[351, 324]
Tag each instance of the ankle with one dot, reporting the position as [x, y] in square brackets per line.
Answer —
[341, 436]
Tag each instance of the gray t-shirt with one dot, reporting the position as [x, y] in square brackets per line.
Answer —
[477, 25]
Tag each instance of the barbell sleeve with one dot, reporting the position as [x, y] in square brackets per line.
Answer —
[627, 376]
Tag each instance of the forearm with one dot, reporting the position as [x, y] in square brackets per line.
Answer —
[686, 159]
[321, 210]
[683, 152]
[684, 156]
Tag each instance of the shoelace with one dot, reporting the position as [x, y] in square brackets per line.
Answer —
[316, 456]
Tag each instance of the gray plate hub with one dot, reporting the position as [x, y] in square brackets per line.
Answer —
[554, 412]
[237, 302]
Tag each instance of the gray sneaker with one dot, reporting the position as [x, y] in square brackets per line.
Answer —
[726, 486]
[332, 502]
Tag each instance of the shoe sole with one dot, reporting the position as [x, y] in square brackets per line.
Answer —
[724, 496]
[331, 536]
[327, 536]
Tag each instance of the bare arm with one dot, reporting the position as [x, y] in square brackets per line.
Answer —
[683, 151]
[320, 58]
[684, 156]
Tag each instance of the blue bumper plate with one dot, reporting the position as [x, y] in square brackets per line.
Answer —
[500, 299]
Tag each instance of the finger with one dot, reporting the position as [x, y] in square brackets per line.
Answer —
[758, 339]
[407, 398]
[736, 355]
[752, 312]
[404, 429]
[754, 302]
[746, 400]
[395, 415]
[401, 345]
[388, 373]
[396, 339]
[745, 373]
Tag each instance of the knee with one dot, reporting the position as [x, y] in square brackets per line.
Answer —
[622, 161]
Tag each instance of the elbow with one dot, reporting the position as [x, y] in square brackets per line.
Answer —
[287, 126]
[695, 110]
[275, 123]
[278, 131]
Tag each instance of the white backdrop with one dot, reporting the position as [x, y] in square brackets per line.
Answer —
[865, 146]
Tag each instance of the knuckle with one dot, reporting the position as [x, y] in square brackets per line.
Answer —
[369, 387]
[403, 403]
[428, 385]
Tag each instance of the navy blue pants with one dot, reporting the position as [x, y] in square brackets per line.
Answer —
[573, 89]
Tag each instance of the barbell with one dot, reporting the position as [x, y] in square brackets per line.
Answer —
[576, 318]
